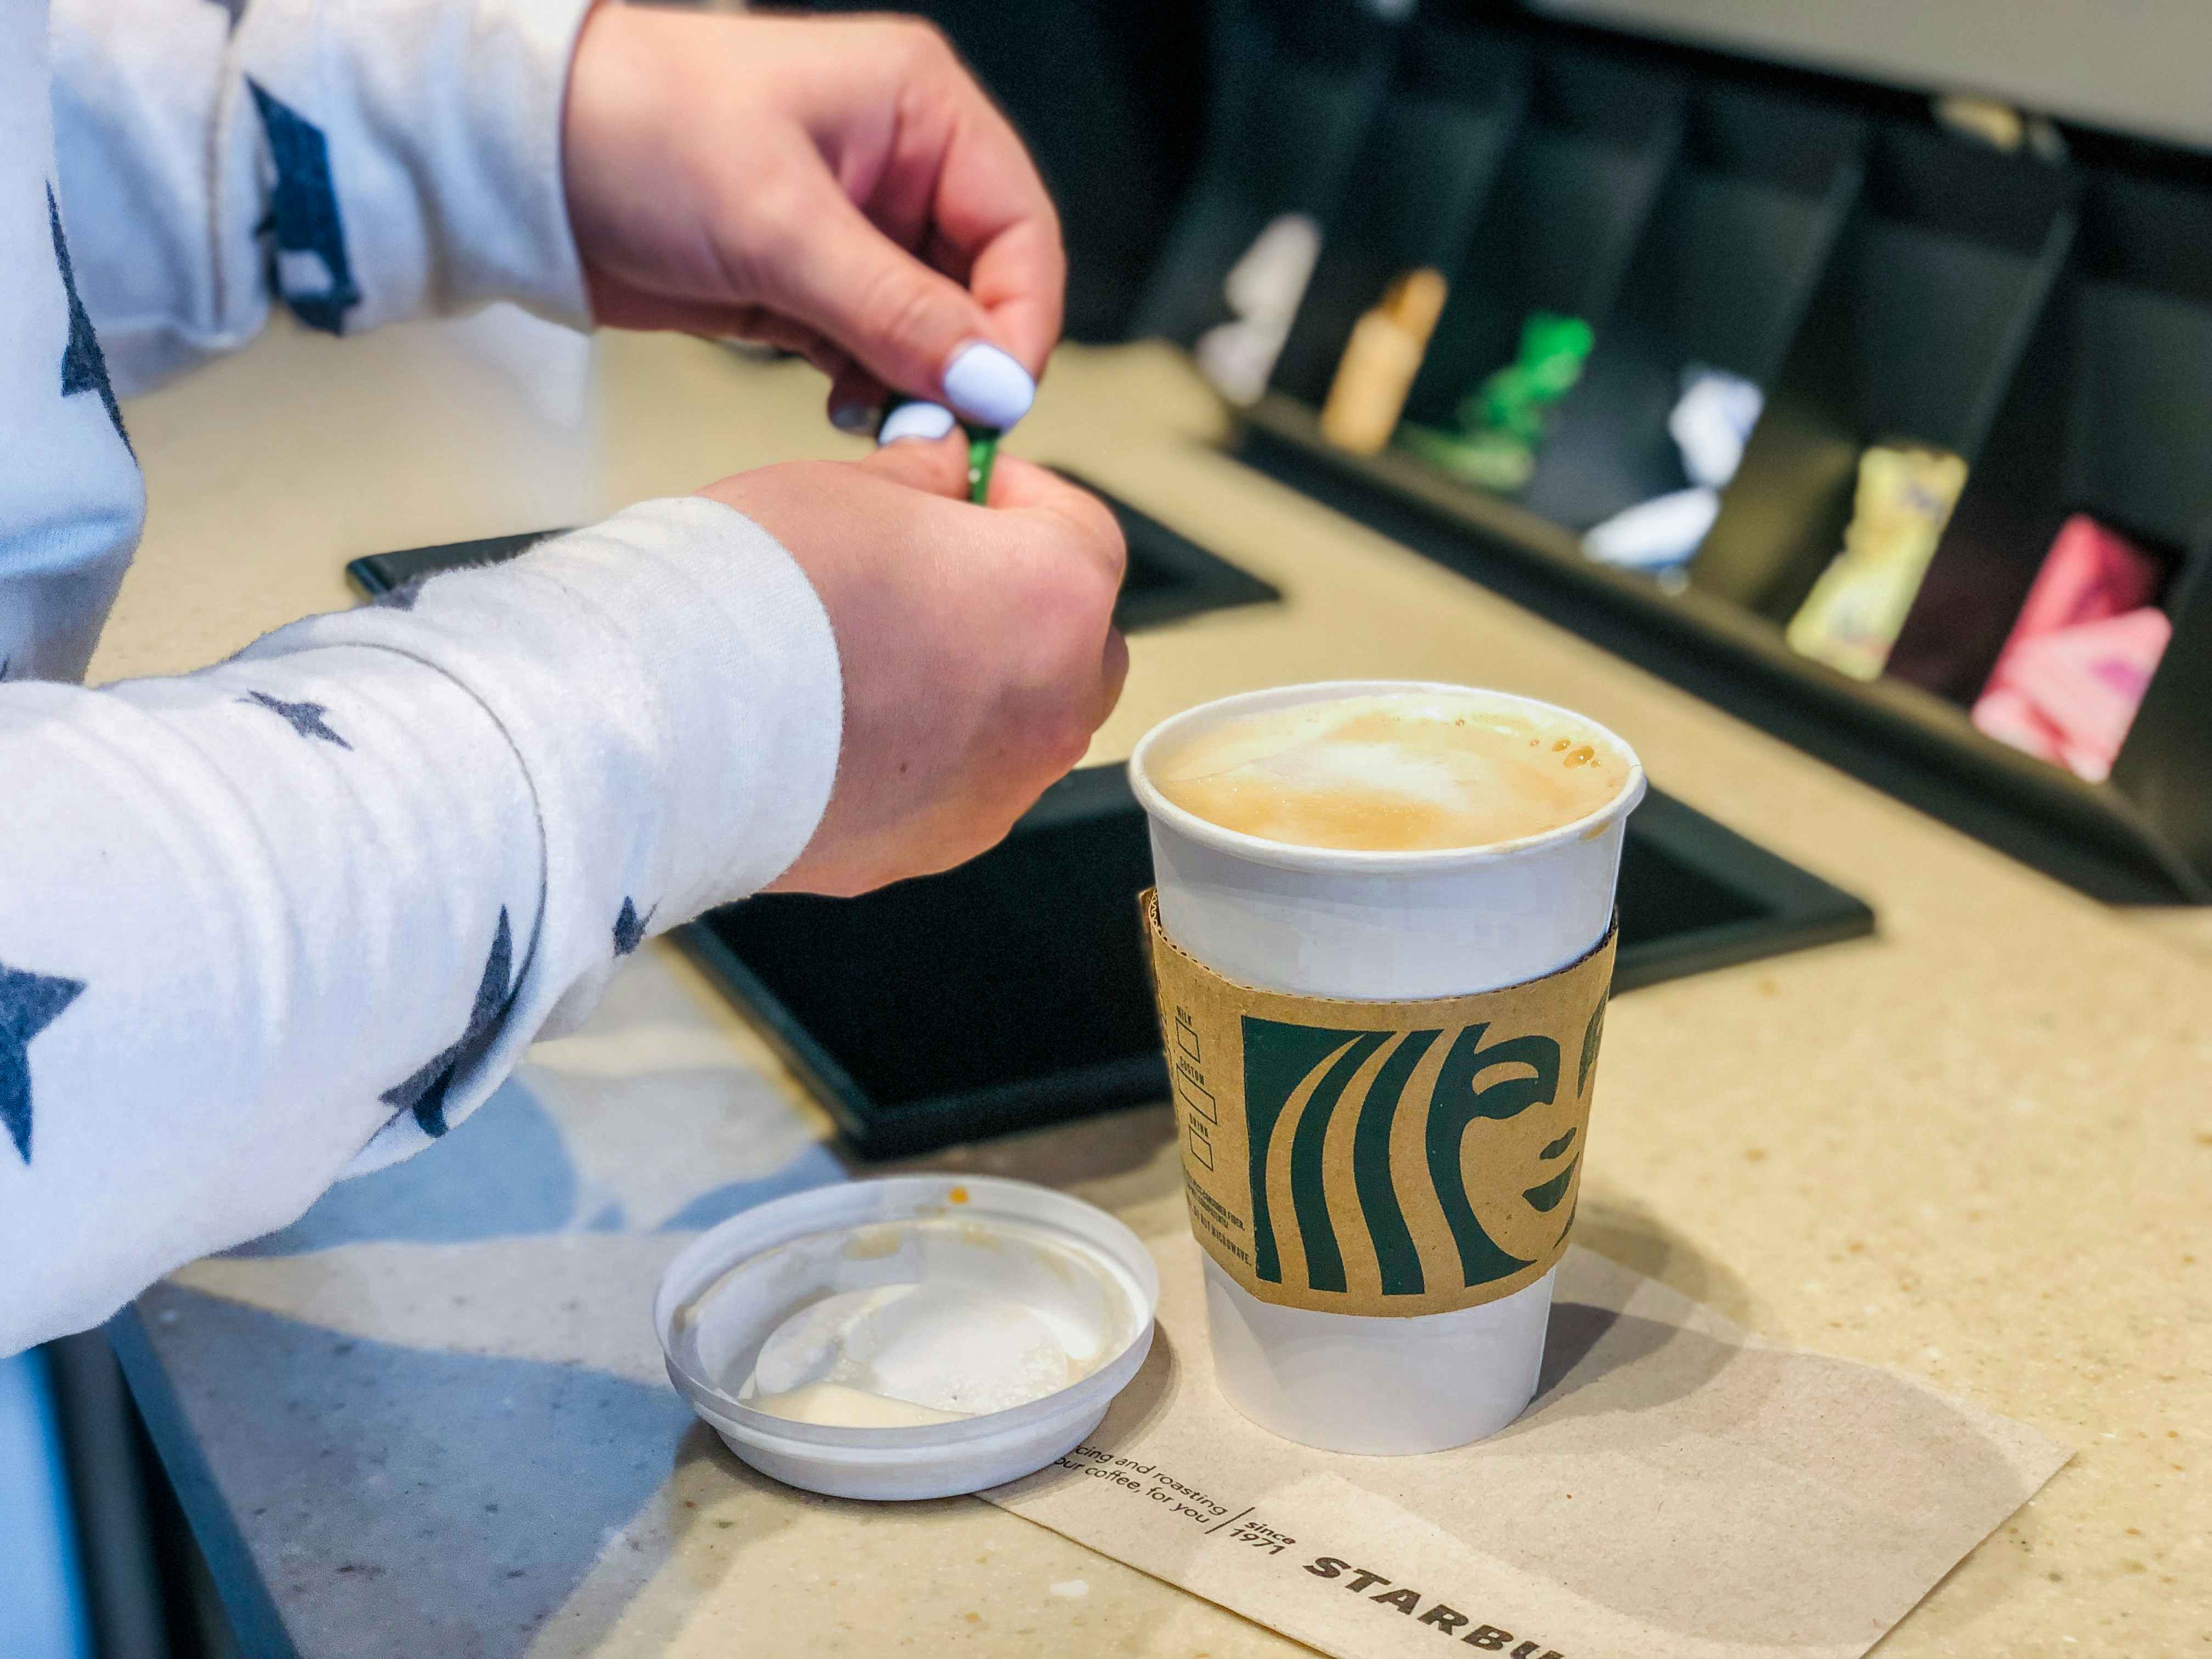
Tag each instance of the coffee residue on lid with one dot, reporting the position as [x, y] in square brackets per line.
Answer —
[932, 1350]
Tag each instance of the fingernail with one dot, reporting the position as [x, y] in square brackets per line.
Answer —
[925, 421]
[852, 417]
[988, 387]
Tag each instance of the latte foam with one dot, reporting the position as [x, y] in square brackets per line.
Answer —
[1403, 772]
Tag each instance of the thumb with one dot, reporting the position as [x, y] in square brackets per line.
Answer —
[916, 329]
[938, 467]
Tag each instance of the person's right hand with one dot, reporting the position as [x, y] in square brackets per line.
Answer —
[977, 643]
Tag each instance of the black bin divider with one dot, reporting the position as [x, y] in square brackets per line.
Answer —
[2165, 768]
[1938, 283]
[1295, 82]
[2100, 420]
[1744, 228]
[1423, 173]
[1559, 223]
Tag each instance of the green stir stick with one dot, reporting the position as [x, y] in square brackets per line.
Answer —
[983, 451]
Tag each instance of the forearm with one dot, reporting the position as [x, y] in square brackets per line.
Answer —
[357, 163]
[295, 916]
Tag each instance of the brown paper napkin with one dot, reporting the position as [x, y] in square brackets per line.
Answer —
[1678, 1488]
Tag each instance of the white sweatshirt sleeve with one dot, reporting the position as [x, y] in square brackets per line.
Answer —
[293, 916]
[364, 160]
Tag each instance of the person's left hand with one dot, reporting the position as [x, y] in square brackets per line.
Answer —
[838, 187]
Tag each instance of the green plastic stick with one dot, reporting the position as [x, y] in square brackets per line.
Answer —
[983, 451]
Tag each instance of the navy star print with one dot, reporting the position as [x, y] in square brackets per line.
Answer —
[84, 367]
[629, 927]
[303, 216]
[305, 717]
[29, 1004]
[424, 1093]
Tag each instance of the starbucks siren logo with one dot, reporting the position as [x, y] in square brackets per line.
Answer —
[1449, 1134]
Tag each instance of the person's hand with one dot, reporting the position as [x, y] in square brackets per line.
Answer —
[978, 645]
[838, 187]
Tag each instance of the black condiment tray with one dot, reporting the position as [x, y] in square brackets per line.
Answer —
[1884, 280]
[1169, 576]
[1012, 992]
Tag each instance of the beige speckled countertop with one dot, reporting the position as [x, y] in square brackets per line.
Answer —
[1977, 1147]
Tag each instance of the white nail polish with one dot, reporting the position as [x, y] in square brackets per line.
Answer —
[987, 387]
[928, 421]
[852, 417]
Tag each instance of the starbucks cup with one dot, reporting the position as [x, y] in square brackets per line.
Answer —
[1470, 946]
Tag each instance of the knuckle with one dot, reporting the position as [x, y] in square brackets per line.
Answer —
[924, 44]
[776, 219]
[1095, 534]
[1087, 571]
[1057, 735]
[1074, 733]
[778, 194]
[1053, 242]
[1101, 589]
[1114, 551]
[1069, 603]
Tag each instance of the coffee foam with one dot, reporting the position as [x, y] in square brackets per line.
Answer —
[1402, 772]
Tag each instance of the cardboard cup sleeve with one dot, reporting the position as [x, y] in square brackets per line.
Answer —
[1394, 1158]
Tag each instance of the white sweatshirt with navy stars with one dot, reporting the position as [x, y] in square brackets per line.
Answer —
[291, 917]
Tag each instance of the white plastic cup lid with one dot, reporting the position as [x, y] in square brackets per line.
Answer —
[958, 1295]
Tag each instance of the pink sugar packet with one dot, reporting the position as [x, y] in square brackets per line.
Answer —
[2090, 572]
[2011, 716]
[2079, 656]
[2070, 695]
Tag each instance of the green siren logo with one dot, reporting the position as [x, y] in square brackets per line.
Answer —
[1369, 1150]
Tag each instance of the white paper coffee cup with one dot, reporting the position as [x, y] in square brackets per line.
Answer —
[1379, 927]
